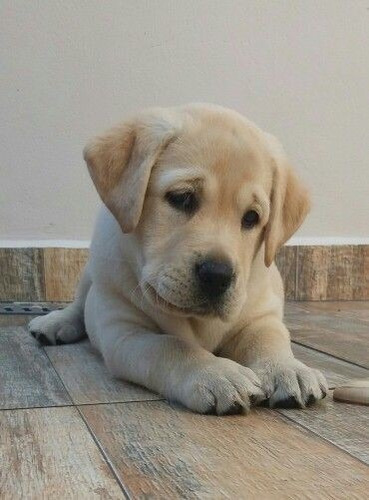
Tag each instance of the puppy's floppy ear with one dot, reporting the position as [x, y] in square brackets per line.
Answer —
[290, 203]
[121, 160]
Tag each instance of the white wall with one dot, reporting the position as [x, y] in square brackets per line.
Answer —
[298, 68]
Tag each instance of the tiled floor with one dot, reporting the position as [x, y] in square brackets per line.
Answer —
[67, 430]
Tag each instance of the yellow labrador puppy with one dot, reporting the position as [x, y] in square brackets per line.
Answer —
[180, 293]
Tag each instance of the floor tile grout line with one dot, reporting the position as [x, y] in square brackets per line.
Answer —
[130, 401]
[102, 452]
[310, 431]
[332, 355]
[23, 408]
[105, 456]
[73, 404]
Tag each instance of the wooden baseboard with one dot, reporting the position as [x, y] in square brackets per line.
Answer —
[40, 274]
[334, 272]
[337, 272]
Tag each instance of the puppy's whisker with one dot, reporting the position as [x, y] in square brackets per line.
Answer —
[135, 290]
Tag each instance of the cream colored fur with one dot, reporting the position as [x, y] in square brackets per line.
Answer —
[137, 296]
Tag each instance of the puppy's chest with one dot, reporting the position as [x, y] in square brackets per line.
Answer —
[210, 334]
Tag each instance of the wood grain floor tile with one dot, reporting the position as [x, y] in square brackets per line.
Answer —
[27, 377]
[21, 271]
[337, 334]
[164, 452]
[336, 344]
[351, 309]
[63, 267]
[335, 370]
[354, 330]
[344, 425]
[287, 263]
[49, 453]
[88, 381]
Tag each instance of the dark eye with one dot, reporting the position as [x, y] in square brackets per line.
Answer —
[185, 201]
[250, 219]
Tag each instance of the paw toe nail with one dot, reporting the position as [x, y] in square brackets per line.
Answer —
[210, 411]
[290, 402]
[235, 409]
[311, 400]
[257, 398]
[253, 399]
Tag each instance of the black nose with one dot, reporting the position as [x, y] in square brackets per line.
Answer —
[214, 277]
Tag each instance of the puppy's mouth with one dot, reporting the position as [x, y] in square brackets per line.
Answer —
[200, 310]
[164, 304]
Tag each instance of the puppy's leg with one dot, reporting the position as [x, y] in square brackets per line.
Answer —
[265, 347]
[178, 370]
[65, 326]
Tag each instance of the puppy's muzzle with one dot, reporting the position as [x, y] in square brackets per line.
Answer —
[214, 277]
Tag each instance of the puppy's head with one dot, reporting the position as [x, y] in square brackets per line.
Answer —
[202, 189]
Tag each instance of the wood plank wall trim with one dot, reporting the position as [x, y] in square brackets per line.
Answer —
[40, 274]
[337, 272]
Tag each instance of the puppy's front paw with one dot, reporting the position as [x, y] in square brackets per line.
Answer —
[291, 384]
[222, 387]
[57, 327]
